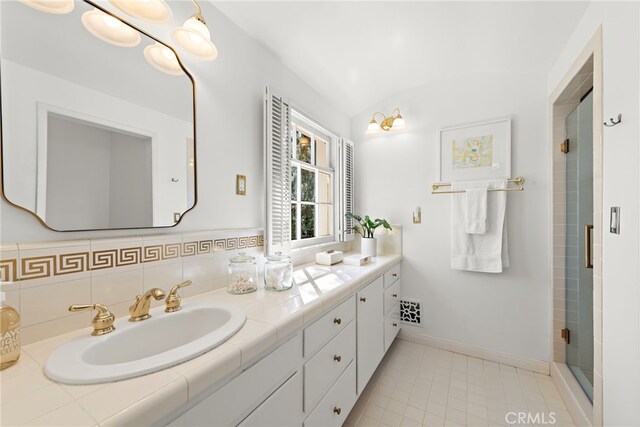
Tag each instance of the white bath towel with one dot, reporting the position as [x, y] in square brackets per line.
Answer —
[476, 210]
[487, 253]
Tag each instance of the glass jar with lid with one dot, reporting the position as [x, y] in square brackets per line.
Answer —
[278, 272]
[242, 274]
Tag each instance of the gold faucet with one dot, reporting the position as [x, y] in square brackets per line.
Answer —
[140, 309]
[173, 299]
[102, 322]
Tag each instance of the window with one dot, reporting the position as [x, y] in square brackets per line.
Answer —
[312, 184]
[309, 180]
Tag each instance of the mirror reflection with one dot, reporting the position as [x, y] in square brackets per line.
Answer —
[97, 119]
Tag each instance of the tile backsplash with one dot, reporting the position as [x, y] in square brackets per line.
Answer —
[42, 279]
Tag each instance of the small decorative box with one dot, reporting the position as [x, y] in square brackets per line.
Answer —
[329, 257]
[357, 259]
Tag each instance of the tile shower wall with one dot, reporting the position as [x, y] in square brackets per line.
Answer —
[42, 279]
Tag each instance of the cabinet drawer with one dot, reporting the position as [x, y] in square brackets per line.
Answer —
[391, 275]
[392, 298]
[316, 335]
[282, 409]
[326, 366]
[391, 329]
[240, 396]
[334, 408]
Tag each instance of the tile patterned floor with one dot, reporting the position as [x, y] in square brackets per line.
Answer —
[416, 385]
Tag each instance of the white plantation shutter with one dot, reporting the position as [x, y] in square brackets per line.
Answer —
[278, 145]
[346, 173]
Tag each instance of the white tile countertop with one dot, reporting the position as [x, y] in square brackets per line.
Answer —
[28, 397]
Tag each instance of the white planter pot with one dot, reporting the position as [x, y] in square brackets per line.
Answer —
[368, 246]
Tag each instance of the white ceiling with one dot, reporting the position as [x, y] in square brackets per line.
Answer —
[359, 53]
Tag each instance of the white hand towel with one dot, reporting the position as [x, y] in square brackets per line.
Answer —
[487, 252]
[476, 210]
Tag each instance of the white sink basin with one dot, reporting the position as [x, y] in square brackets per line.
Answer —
[139, 348]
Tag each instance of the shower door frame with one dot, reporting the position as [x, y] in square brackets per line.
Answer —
[585, 71]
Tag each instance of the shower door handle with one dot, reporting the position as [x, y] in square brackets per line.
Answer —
[588, 228]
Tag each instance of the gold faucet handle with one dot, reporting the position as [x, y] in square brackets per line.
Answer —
[173, 299]
[102, 322]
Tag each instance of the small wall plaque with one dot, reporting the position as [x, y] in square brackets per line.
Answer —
[241, 185]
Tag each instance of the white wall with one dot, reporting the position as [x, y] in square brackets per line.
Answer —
[116, 185]
[506, 312]
[131, 183]
[620, 23]
[229, 130]
[73, 202]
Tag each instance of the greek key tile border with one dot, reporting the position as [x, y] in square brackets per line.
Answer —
[44, 266]
[8, 270]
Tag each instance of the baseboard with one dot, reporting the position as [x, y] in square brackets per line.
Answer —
[574, 398]
[481, 353]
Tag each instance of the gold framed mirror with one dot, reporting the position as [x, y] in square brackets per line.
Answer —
[97, 120]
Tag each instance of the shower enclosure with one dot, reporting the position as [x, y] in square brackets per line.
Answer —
[578, 332]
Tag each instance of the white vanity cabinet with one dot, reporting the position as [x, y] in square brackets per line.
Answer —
[391, 305]
[315, 378]
[325, 367]
[370, 334]
[335, 406]
[276, 411]
[245, 394]
[329, 373]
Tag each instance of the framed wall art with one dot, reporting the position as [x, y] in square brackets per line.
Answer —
[475, 151]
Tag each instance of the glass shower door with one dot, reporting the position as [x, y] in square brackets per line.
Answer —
[579, 227]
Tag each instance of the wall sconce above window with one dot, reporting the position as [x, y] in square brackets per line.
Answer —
[394, 122]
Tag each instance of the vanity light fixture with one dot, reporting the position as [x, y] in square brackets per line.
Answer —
[394, 122]
[162, 58]
[154, 11]
[195, 38]
[110, 29]
[57, 7]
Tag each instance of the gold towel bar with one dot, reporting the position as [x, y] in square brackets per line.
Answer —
[519, 181]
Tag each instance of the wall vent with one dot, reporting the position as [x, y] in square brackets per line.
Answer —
[411, 312]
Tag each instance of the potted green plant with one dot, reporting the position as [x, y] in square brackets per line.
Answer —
[366, 227]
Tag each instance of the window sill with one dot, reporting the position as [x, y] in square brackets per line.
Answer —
[308, 253]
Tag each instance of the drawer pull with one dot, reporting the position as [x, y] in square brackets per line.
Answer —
[395, 325]
[337, 320]
[337, 410]
[395, 295]
[337, 358]
[363, 299]
[395, 274]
